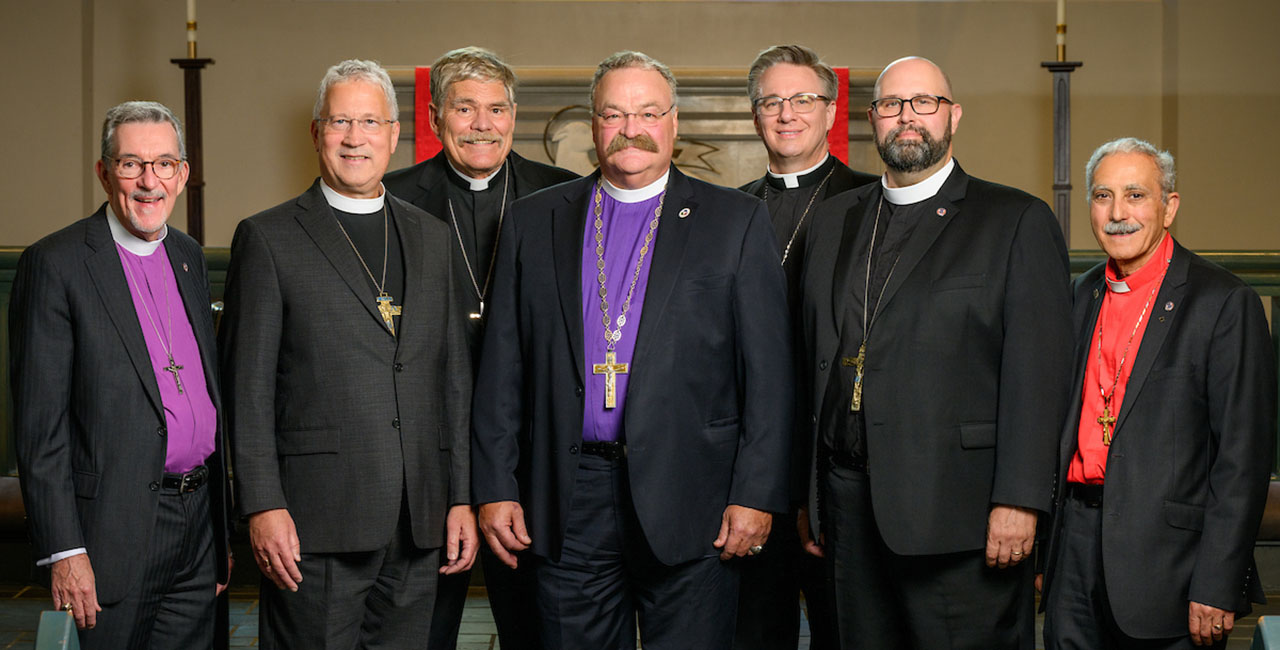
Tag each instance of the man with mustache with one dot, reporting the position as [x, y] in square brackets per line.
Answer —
[470, 186]
[348, 384]
[934, 325]
[633, 400]
[116, 414]
[793, 100]
[1166, 454]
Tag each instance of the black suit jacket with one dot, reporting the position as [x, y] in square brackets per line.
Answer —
[330, 415]
[708, 398]
[966, 365]
[1190, 461]
[426, 186]
[88, 422]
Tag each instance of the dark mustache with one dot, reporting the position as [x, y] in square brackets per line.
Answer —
[642, 142]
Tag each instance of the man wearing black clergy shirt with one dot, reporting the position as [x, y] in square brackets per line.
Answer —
[470, 185]
[793, 99]
[634, 396]
[936, 353]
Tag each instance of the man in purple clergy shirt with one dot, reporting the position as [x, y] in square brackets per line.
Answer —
[116, 403]
[630, 424]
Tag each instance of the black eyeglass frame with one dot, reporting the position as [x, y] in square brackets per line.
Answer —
[875, 105]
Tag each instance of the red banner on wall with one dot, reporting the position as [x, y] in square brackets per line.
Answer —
[425, 142]
[838, 137]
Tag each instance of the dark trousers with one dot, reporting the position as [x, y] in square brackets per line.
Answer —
[376, 599]
[607, 577]
[512, 599]
[769, 598]
[172, 604]
[922, 602]
[1077, 611]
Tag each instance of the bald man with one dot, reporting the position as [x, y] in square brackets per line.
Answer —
[936, 353]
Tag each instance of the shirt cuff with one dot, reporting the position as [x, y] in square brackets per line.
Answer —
[61, 555]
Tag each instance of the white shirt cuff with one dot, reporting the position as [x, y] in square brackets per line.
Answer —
[61, 555]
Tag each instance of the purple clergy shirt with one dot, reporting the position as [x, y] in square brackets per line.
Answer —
[189, 417]
[625, 227]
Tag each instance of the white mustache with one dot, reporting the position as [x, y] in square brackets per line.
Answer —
[1121, 227]
[139, 195]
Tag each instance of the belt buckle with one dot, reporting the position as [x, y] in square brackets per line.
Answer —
[192, 480]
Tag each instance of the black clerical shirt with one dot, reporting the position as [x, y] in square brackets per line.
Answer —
[366, 232]
[787, 209]
[845, 430]
[476, 212]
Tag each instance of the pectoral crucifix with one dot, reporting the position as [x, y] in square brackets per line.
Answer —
[387, 310]
[1108, 421]
[856, 364]
[610, 369]
[173, 369]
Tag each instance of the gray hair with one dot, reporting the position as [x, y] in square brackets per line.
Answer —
[356, 70]
[795, 55]
[1162, 159]
[629, 59]
[470, 63]
[130, 112]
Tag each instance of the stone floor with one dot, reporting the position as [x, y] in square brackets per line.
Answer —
[20, 609]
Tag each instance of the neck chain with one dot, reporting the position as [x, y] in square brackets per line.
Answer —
[383, 300]
[611, 368]
[787, 251]
[858, 362]
[481, 292]
[1108, 419]
[172, 368]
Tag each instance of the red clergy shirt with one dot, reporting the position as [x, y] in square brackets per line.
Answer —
[1116, 319]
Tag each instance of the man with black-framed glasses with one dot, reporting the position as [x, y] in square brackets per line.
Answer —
[936, 349]
[792, 94]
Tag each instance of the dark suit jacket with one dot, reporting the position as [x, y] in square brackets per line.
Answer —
[426, 186]
[708, 406]
[1188, 467]
[842, 180]
[330, 415]
[88, 421]
[967, 362]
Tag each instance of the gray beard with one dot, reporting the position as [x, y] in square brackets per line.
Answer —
[910, 157]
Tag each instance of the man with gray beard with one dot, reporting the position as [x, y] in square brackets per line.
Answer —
[935, 348]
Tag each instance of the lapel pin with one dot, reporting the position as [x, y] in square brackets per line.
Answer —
[1168, 306]
[184, 267]
[942, 212]
[1095, 293]
[684, 213]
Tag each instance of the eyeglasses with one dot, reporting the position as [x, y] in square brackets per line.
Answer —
[647, 118]
[130, 167]
[343, 124]
[800, 103]
[921, 104]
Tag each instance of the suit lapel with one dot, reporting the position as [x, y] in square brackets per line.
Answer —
[433, 192]
[414, 303]
[195, 301]
[1157, 330]
[668, 256]
[113, 287]
[567, 228]
[858, 219]
[319, 222]
[1086, 317]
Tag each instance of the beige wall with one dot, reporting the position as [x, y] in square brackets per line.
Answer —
[1153, 68]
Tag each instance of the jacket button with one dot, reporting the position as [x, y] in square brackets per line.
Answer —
[578, 391]
[814, 419]
[822, 365]
[573, 449]
[155, 485]
[399, 367]
[396, 423]
[161, 431]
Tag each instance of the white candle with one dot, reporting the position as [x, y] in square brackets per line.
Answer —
[1062, 10]
[191, 11]
[1062, 23]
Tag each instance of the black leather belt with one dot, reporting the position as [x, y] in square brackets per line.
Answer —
[1087, 494]
[189, 482]
[847, 461]
[608, 450]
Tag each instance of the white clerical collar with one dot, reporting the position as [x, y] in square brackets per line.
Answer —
[130, 241]
[477, 184]
[1118, 286]
[925, 189]
[636, 196]
[354, 206]
[792, 181]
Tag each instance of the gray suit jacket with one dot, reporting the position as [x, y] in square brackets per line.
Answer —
[88, 423]
[330, 415]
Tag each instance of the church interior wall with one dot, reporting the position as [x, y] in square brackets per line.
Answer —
[1175, 72]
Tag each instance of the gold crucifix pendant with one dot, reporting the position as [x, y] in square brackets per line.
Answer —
[387, 310]
[1108, 422]
[610, 369]
[856, 364]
